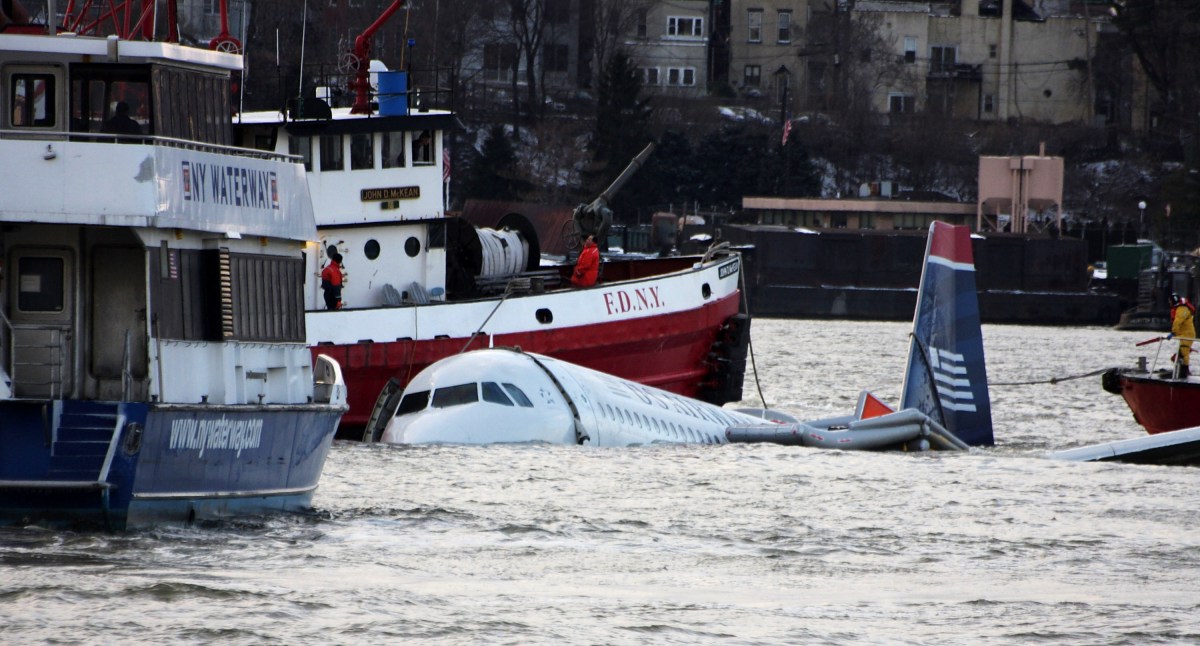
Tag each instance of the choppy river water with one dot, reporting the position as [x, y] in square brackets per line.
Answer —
[746, 544]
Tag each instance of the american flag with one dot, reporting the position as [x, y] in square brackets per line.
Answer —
[445, 165]
[787, 130]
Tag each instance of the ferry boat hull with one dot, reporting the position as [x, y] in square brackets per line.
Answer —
[119, 466]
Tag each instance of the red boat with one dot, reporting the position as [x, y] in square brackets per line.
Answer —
[422, 284]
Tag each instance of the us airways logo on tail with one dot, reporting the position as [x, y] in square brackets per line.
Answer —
[953, 385]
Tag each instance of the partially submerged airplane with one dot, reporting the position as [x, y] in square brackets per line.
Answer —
[506, 395]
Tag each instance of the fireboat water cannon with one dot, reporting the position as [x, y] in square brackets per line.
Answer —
[596, 217]
[360, 61]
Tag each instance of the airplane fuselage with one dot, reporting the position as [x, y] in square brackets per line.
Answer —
[505, 395]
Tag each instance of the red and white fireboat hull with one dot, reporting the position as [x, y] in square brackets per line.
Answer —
[1159, 404]
[673, 331]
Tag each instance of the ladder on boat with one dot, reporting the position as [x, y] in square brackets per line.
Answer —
[83, 441]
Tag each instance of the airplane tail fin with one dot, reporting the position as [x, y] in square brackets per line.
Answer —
[946, 377]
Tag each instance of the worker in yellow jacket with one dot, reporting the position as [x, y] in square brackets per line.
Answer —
[1183, 325]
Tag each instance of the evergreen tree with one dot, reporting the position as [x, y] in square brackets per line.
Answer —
[621, 119]
[730, 162]
[491, 174]
[790, 172]
[668, 178]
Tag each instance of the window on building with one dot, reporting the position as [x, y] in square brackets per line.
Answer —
[649, 76]
[641, 23]
[687, 26]
[989, 104]
[991, 51]
[752, 76]
[212, 7]
[910, 49]
[555, 57]
[785, 26]
[332, 156]
[754, 25]
[681, 76]
[898, 102]
[942, 59]
[498, 61]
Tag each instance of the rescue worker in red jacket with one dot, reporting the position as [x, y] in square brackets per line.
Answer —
[1183, 325]
[588, 265]
[331, 282]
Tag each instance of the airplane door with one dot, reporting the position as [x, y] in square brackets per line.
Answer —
[41, 307]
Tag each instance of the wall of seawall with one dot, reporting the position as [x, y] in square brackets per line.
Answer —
[839, 273]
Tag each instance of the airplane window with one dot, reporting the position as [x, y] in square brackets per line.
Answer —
[413, 402]
[493, 393]
[455, 395]
[518, 395]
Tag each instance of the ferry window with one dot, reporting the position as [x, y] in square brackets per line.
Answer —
[455, 395]
[393, 149]
[362, 152]
[422, 147]
[413, 402]
[332, 157]
[518, 395]
[192, 105]
[301, 146]
[371, 249]
[33, 98]
[492, 393]
[412, 247]
[40, 284]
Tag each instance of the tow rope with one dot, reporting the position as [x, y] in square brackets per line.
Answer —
[1052, 380]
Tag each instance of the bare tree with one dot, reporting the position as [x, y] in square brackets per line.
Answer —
[527, 22]
[611, 22]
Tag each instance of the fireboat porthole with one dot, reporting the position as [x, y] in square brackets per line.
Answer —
[706, 291]
[412, 247]
[371, 249]
[544, 316]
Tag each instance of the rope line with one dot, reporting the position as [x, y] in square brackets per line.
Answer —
[1052, 380]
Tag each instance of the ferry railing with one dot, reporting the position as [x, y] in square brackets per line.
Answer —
[56, 349]
[156, 140]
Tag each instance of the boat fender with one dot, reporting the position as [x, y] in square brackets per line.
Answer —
[1110, 381]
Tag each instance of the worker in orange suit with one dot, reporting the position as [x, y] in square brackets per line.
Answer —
[588, 265]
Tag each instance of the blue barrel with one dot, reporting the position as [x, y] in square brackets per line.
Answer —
[393, 94]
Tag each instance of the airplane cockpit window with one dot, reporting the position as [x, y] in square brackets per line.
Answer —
[494, 394]
[413, 402]
[518, 395]
[455, 395]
